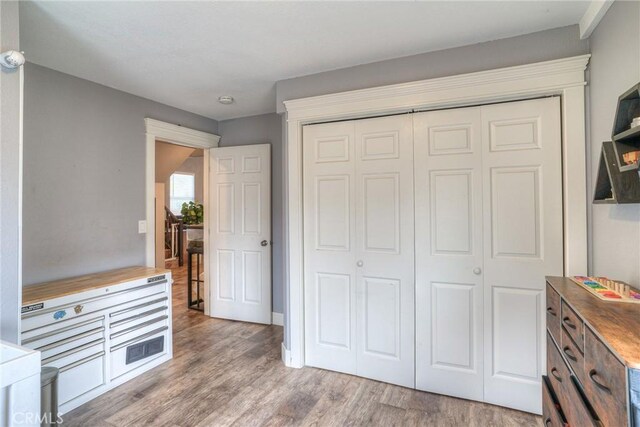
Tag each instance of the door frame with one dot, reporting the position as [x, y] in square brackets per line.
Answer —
[156, 130]
[564, 77]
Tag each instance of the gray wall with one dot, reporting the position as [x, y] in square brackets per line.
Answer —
[84, 174]
[265, 128]
[535, 47]
[541, 46]
[10, 294]
[615, 67]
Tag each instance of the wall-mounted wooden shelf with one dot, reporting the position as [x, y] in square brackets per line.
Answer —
[626, 139]
[628, 108]
[612, 184]
[631, 134]
[621, 148]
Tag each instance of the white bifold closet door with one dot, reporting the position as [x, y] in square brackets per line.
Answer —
[449, 286]
[488, 229]
[359, 248]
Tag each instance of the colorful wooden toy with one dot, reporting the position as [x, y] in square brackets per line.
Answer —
[607, 289]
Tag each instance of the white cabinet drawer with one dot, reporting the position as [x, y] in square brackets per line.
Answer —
[134, 308]
[29, 337]
[129, 319]
[48, 337]
[81, 377]
[72, 343]
[118, 354]
[61, 313]
[75, 355]
[134, 332]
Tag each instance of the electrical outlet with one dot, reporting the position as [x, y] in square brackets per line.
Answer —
[142, 226]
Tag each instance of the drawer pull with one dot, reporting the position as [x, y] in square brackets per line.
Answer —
[567, 322]
[592, 376]
[139, 316]
[146, 304]
[551, 311]
[569, 353]
[72, 351]
[61, 330]
[71, 339]
[81, 361]
[139, 326]
[547, 422]
[555, 374]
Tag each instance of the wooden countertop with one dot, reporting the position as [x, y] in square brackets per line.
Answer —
[617, 324]
[73, 285]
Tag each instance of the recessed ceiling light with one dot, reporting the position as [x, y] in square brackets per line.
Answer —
[225, 99]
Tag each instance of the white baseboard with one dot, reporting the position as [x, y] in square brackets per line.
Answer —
[277, 319]
[286, 356]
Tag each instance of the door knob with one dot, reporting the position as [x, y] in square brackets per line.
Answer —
[360, 263]
[477, 270]
[264, 243]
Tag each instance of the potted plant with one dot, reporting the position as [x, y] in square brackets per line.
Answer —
[192, 213]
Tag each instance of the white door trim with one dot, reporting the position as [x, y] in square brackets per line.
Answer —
[564, 77]
[156, 130]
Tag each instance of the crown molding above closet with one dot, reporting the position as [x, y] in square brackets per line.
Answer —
[460, 90]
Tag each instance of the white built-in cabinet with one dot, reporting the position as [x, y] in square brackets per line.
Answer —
[427, 237]
[99, 330]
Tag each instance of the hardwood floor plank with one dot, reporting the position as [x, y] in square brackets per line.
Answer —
[227, 373]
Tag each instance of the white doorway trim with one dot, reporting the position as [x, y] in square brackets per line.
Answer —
[563, 77]
[156, 130]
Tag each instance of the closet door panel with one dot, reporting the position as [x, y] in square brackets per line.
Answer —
[329, 229]
[449, 296]
[522, 176]
[385, 249]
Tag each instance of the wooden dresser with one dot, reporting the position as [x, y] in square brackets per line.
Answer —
[99, 330]
[593, 359]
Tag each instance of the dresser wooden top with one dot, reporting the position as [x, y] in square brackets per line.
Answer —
[616, 323]
[73, 285]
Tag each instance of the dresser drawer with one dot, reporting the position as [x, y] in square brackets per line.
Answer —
[551, 412]
[564, 386]
[634, 398]
[606, 382]
[573, 325]
[573, 355]
[553, 312]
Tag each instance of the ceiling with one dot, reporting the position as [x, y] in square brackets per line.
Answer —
[186, 54]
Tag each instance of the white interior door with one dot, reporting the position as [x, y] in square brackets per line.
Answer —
[522, 181]
[385, 249]
[240, 230]
[358, 210]
[488, 228]
[330, 246]
[449, 285]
